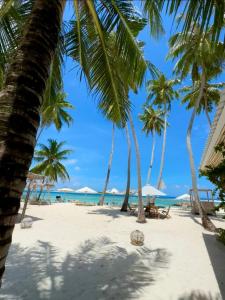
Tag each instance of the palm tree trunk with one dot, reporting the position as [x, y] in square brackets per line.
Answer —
[126, 198]
[207, 113]
[101, 202]
[152, 159]
[163, 148]
[26, 201]
[41, 128]
[141, 212]
[20, 102]
[206, 222]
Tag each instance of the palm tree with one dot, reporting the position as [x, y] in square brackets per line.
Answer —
[210, 98]
[25, 82]
[141, 212]
[196, 53]
[20, 101]
[161, 92]
[152, 123]
[53, 112]
[101, 201]
[50, 159]
[127, 194]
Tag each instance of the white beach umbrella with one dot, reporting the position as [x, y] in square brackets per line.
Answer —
[183, 197]
[114, 191]
[149, 190]
[65, 190]
[86, 190]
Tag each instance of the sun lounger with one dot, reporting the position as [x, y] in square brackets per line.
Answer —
[132, 210]
[164, 214]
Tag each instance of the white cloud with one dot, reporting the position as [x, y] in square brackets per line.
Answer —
[71, 161]
[77, 168]
[177, 186]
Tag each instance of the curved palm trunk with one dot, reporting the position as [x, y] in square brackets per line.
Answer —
[163, 148]
[26, 201]
[126, 198]
[101, 202]
[152, 159]
[39, 132]
[207, 114]
[206, 222]
[20, 102]
[141, 212]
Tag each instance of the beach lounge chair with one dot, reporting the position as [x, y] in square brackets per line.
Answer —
[164, 214]
[132, 210]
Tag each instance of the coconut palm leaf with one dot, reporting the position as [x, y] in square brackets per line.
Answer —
[49, 158]
[88, 42]
[153, 120]
[205, 13]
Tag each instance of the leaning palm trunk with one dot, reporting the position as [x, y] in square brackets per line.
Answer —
[126, 198]
[102, 199]
[206, 222]
[163, 148]
[26, 200]
[152, 159]
[207, 114]
[141, 213]
[20, 102]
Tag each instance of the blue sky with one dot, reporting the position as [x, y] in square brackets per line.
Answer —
[90, 135]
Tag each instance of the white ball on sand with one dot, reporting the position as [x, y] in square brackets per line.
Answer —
[26, 223]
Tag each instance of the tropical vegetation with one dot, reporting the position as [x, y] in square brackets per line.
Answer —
[102, 40]
[152, 123]
[49, 159]
[161, 92]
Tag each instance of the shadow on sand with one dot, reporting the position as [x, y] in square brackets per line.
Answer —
[27, 216]
[216, 251]
[97, 270]
[110, 212]
[197, 295]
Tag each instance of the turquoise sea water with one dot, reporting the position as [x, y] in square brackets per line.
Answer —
[94, 198]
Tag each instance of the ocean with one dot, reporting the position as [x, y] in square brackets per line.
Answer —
[94, 198]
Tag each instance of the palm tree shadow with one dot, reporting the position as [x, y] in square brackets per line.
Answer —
[198, 295]
[110, 212]
[98, 269]
[216, 251]
[27, 216]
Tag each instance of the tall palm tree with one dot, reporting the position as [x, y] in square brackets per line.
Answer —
[152, 123]
[141, 212]
[127, 193]
[25, 82]
[101, 201]
[161, 93]
[20, 101]
[197, 54]
[50, 159]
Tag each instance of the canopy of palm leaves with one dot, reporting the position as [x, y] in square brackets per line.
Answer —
[195, 51]
[152, 120]
[161, 91]
[50, 159]
[206, 13]
[211, 96]
[53, 111]
[13, 14]
[104, 33]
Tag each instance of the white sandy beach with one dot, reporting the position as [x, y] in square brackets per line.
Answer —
[85, 253]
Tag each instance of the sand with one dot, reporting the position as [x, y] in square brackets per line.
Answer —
[74, 252]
